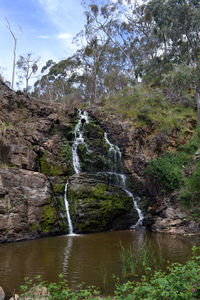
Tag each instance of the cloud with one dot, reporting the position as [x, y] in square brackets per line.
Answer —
[64, 36]
[66, 19]
[45, 37]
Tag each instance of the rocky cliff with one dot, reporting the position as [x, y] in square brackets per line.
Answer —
[35, 162]
[163, 213]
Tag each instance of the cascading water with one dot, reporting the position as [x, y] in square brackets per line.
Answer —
[67, 210]
[114, 171]
[116, 155]
[78, 132]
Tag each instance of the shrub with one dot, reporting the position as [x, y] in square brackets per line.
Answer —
[180, 282]
[190, 193]
[166, 171]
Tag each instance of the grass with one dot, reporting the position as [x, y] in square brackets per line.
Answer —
[178, 170]
[143, 104]
[140, 262]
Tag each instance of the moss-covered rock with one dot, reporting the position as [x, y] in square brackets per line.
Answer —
[96, 206]
[58, 163]
[93, 157]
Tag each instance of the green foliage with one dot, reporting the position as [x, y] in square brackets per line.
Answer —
[190, 192]
[181, 281]
[141, 105]
[193, 145]
[59, 188]
[166, 171]
[56, 290]
[145, 113]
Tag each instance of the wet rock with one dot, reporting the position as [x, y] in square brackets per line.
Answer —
[139, 145]
[96, 206]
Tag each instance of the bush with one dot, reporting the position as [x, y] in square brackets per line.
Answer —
[166, 171]
[180, 282]
[190, 193]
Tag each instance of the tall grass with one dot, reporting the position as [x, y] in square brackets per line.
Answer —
[140, 262]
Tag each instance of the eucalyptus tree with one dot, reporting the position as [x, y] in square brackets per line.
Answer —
[27, 66]
[59, 79]
[180, 22]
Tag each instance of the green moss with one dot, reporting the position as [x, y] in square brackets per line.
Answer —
[46, 165]
[66, 156]
[34, 227]
[101, 205]
[60, 204]
[55, 167]
[49, 217]
[93, 158]
[59, 188]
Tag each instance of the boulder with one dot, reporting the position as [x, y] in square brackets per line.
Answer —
[96, 206]
[27, 207]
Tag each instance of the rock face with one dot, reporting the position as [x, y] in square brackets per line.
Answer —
[35, 162]
[138, 146]
[26, 205]
[35, 158]
[96, 206]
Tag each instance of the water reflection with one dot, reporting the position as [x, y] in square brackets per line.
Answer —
[67, 252]
[91, 258]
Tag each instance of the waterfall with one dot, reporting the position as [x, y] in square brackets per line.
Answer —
[121, 178]
[114, 170]
[78, 132]
[67, 210]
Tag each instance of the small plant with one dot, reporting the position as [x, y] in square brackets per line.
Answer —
[181, 281]
[36, 288]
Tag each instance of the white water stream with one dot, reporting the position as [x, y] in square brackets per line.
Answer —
[78, 132]
[121, 178]
[67, 210]
[115, 156]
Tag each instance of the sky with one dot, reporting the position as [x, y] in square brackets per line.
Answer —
[47, 29]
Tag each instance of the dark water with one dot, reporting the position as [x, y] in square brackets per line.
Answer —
[91, 258]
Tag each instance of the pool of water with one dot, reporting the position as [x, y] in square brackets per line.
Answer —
[91, 258]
